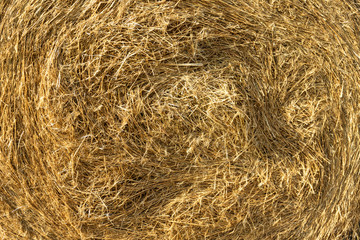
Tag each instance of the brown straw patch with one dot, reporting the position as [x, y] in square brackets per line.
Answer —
[179, 119]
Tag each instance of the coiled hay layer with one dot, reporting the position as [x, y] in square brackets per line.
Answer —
[190, 119]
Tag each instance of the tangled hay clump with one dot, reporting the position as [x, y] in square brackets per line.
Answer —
[179, 119]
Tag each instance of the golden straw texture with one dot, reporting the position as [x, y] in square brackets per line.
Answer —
[179, 119]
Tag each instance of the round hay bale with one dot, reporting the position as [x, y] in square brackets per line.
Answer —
[190, 119]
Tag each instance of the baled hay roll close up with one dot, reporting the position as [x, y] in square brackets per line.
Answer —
[179, 119]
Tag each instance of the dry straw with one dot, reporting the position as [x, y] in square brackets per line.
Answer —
[179, 119]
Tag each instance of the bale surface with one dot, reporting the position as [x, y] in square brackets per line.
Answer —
[179, 119]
